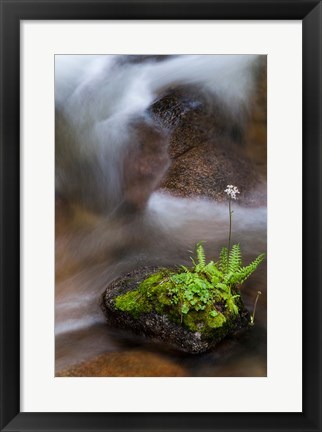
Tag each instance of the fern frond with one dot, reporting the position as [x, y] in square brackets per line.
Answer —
[212, 269]
[231, 305]
[213, 274]
[223, 287]
[223, 260]
[234, 259]
[193, 262]
[201, 256]
[186, 270]
[243, 273]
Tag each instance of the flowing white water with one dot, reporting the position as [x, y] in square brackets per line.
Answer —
[99, 97]
[119, 87]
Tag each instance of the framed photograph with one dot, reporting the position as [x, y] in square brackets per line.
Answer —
[160, 214]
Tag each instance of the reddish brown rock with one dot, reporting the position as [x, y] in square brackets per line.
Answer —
[125, 364]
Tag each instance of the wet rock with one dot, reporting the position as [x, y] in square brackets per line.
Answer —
[144, 165]
[211, 147]
[125, 364]
[160, 328]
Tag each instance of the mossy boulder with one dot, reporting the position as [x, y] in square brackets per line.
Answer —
[142, 302]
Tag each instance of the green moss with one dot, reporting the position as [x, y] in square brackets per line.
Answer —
[151, 281]
[133, 302]
[200, 306]
[204, 321]
[215, 320]
[150, 294]
[194, 321]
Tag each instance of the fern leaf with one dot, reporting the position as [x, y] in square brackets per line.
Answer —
[234, 260]
[243, 273]
[231, 305]
[212, 270]
[223, 260]
[201, 258]
[185, 269]
[223, 286]
[193, 262]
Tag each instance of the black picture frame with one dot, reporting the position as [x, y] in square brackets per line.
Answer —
[12, 12]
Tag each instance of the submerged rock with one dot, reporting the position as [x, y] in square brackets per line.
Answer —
[162, 327]
[133, 363]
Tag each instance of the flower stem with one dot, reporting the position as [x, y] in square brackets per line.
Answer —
[229, 238]
[252, 318]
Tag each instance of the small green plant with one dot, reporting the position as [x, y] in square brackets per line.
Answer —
[252, 317]
[208, 282]
[201, 297]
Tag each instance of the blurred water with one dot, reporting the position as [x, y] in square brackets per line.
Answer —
[102, 112]
[165, 234]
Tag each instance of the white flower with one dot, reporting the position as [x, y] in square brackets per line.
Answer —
[231, 191]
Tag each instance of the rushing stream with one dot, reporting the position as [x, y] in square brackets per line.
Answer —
[115, 210]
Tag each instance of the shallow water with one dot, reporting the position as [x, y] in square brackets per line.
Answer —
[156, 237]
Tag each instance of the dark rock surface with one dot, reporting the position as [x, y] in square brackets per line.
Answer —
[159, 328]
